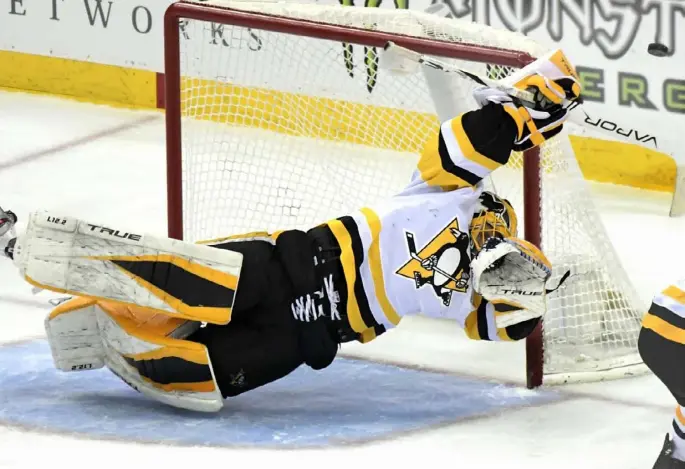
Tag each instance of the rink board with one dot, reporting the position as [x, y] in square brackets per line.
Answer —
[351, 401]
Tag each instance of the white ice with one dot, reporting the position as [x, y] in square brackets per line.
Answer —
[120, 179]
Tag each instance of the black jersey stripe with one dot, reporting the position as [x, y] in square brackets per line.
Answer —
[678, 431]
[449, 166]
[358, 251]
[482, 320]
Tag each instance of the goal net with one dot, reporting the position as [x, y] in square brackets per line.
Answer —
[279, 116]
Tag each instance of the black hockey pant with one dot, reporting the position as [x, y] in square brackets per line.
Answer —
[666, 359]
[263, 342]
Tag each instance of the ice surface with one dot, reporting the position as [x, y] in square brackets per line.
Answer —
[120, 178]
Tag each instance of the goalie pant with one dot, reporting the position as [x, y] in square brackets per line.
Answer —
[284, 275]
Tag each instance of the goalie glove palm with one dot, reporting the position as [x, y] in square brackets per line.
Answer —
[513, 271]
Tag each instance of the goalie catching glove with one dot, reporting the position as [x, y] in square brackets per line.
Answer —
[513, 271]
[556, 90]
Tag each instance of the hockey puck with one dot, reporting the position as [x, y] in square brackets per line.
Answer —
[657, 49]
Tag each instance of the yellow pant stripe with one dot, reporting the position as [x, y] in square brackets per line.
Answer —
[663, 328]
[376, 266]
[354, 315]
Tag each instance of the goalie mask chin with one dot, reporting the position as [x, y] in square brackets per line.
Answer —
[492, 217]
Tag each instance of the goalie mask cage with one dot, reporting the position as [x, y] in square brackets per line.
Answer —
[278, 116]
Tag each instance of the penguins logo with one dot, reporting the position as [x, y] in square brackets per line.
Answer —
[443, 263]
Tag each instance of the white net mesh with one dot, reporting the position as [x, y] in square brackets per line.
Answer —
[283, 131]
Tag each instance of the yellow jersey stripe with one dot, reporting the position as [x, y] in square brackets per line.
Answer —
[675, 294]
[367, 335]
[503, 335]
[344, 240]
[431, 170]
[471, 325]
[679, 415]
[376, 266]
[663, 328]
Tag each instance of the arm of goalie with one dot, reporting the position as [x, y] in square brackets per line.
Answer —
[182, 280]
[516, 272]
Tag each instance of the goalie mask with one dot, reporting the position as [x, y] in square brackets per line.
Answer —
[493, 217]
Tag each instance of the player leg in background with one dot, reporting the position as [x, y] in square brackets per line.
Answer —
[263, 342]
[662, 347]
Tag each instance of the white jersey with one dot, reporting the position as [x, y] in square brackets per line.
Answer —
[410, 254]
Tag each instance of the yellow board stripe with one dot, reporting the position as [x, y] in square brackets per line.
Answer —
[600, 160]
[675, 293]
[354, 315]
[432, 172]
[663, 328]
[302, 115]
[208, 273]
[467, 148]
[80, 80]
[376, 266]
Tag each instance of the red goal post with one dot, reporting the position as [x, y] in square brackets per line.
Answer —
[259, 21]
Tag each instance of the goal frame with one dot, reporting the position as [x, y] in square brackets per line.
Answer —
[464, 51]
